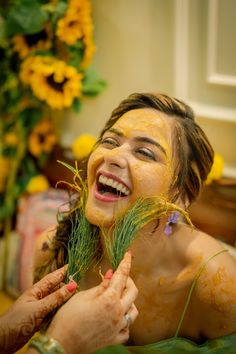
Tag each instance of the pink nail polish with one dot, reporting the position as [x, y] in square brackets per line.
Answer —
[108, 274]
[71, 286]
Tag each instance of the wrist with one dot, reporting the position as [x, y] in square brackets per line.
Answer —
[46, 345]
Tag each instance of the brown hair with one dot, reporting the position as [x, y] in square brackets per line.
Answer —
[192, 149]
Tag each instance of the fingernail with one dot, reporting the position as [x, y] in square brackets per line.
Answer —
[108, 274]
[129, 252]
[71, 286]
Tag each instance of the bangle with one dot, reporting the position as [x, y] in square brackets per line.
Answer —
[46, 345]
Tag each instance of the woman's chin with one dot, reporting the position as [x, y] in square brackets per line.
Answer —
[99, 217]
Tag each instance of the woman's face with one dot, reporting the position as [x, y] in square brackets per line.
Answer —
[134, 159]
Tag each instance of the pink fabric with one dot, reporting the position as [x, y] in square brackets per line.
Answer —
[36, 213]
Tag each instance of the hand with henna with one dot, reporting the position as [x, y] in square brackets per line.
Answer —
[23, 319]
[97, 317]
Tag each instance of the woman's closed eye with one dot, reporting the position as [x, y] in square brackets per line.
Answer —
[146, 153]
[110, 142]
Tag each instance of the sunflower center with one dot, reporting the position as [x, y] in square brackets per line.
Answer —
[41, 138]
[32, 39]
[57, 86]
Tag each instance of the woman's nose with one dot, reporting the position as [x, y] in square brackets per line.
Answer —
[116, 157]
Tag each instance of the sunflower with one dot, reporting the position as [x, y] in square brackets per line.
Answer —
[42, 138]
[25, 44]
[77, 25]
[52, 80]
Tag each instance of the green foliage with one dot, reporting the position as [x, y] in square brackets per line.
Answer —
[26, 17]
[92, 85]
[82, 246]
[77, 105]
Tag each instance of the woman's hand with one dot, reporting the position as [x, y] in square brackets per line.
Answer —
[25, 316]
[94, 318]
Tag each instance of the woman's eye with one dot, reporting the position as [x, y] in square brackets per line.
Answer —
[146, 153]
[110, 141]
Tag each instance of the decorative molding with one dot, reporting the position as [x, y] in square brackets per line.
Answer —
[213, 77]
[229, 171]
[213, 112]
[182, 68]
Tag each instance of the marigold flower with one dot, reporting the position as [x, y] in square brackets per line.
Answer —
[77, 25]
[216, 169]
[83, 145]
[42, 138]
[52, 80]
[37, 184]
[25, 44]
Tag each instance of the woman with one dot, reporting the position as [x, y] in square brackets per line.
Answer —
[152, 146]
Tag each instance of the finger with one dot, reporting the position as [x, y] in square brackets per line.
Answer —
[121, 337]
[132, 315]
[119, 279]
[56, 299]
[48, 283]
[129, 294]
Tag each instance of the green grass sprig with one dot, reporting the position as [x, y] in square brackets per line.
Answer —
[126, 226]
[82, 246]
[83, 239]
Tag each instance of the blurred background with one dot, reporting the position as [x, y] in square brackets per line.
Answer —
[61, 76]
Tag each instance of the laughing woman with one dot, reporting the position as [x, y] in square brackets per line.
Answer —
[151, 147]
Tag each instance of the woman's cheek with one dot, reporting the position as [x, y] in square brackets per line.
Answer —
[151, 181]
[95, 160]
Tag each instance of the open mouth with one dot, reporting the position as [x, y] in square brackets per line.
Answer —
[111, 187]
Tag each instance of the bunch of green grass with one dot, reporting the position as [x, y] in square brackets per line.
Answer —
[83, 239]
[82, 247]
[127, 226]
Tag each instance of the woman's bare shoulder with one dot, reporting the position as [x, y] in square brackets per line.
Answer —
[214, 294]
[42, 251]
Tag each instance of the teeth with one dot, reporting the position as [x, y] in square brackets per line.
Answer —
[114, 184]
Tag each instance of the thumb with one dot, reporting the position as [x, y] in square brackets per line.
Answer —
[57, 298]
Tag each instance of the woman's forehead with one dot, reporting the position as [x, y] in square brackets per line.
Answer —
[145, 121]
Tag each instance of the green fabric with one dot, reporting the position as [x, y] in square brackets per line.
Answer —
[222, 345]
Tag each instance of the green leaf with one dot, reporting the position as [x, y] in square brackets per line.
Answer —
[30, 117]
[26, 17]
[92, 85]
[76, 105]
[58, 12]
[76, 53]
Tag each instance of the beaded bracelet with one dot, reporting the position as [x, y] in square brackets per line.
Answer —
[46, 345]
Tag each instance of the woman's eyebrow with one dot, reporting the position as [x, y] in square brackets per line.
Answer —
[115, 131]
[145, 139]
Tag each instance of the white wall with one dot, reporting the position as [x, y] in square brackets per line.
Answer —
[162, 46]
